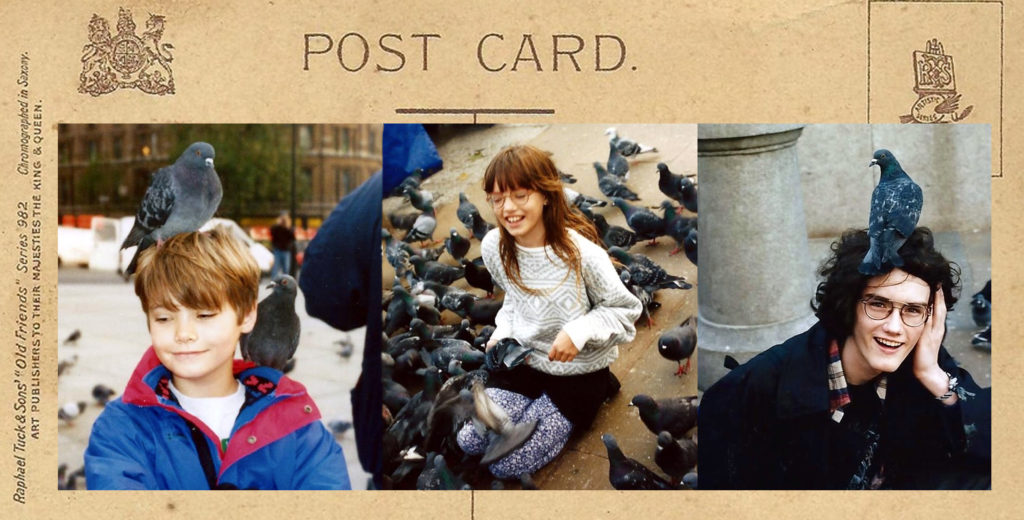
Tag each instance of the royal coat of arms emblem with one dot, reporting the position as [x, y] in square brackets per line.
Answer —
[935, 85]
[126, 60]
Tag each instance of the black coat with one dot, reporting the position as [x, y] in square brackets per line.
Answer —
[766, 425]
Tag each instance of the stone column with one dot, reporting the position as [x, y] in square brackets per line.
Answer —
[756, 276]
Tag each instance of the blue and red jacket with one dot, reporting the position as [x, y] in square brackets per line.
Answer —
[145, 440]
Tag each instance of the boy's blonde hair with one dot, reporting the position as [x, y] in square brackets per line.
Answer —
[200, 270]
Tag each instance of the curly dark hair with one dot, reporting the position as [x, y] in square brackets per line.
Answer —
[835, 301]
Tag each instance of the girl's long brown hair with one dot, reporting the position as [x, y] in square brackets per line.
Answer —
[527, 167]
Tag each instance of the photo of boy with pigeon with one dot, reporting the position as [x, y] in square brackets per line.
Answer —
[531, 333]
[867, 397]
[193, 416]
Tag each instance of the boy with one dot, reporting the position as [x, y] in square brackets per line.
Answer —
[192, 416]
[867, 398]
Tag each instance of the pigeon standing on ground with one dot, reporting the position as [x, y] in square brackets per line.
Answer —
[613, 235]
[677, 187]
[611, 185]
[70, 410]
[674, 457]
[456, 244]
[627, 147]
[981, 306]
[617, 164]
[580, 200]
[626, 473]
[479, 277]
[678, 343]
[275, 336]
[73, 338]
[676, 226]
[465, 211]
[102, 394]
[675, 415]
[180, 199]
[895, 208]
[423, 229]
[647, 225]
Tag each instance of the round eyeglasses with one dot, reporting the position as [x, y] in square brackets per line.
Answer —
[912, 314]
[519, 197]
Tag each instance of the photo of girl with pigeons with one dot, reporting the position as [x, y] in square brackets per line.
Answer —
[530, 331]
[881, 387]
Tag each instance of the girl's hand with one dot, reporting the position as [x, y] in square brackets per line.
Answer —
[562, 348]
[490, 344]
[926, 353]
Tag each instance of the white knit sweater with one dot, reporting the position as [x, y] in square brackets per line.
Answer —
[596, 320]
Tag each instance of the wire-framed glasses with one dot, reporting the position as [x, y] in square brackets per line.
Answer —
[912, 314]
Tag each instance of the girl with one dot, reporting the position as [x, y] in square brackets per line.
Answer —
[562, 296]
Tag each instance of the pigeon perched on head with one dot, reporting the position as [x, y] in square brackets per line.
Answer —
[625, 473]
[180, 199]
[102, 394]
[678, 343]
[675, 415]
[895, 208]
[275, 336]
[627, 147]
[611, 185]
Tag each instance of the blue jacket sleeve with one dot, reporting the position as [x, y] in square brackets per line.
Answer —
[116, 458]
[320, 460]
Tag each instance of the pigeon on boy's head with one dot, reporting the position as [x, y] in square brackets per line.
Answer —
[895, 208]
[180, 199]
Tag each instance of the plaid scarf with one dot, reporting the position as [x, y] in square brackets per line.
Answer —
[867, 476]
[838, 393]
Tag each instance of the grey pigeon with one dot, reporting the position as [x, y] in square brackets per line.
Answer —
[981, 306]
[403, 221]
[613, 235]
[678, 187]
[675, 415]
[675, 457]
[419, 199]
[580, 200]
[423, 229]
[180, 199]
[102, 394]
[465, 211]
[502, 434]
[646, 273]
[643, 221]
[678, 343]
[611, 185]
[436, 271]
[617, 164]
[627, 147]
[895, 208]
[73, 338]
[275, 336]
[676, 226]
[480, 227]
[70, 410]
[625, 473]
[566, 177]
[690, 245]
[456, 244]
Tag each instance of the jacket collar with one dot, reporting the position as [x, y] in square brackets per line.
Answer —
[803, 375]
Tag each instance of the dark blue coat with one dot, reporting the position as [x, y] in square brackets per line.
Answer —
[766, 425]
[143, 440]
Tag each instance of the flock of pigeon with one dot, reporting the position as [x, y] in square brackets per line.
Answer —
[436, 326]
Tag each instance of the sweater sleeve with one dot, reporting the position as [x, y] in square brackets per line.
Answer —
[115, 457]
[614, 309]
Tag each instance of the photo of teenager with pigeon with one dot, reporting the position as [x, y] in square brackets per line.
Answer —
[216, 400]
[504, 343]
[879, 391]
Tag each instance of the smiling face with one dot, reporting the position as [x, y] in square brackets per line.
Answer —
[198, 346]
[521, 215]
[878, 346]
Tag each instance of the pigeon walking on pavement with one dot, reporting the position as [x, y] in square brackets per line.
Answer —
[678, 187]
[675, 457]
[423, 229]
[626, 473]
[895, 208]
[611, 185]
[73, 338]
[180, 199]
[275, 336]
[646, 224]
[678, 343]
[617, 164]
[627, 147]
[456, 244]
[102, 394]
[676, 226]
[675, 415]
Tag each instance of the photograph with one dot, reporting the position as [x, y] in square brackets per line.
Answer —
[200, 347]
[845, 317]
[539, 301]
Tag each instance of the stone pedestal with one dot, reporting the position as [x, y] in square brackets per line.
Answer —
[756, 277]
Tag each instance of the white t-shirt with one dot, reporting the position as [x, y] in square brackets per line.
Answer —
[219, 413]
